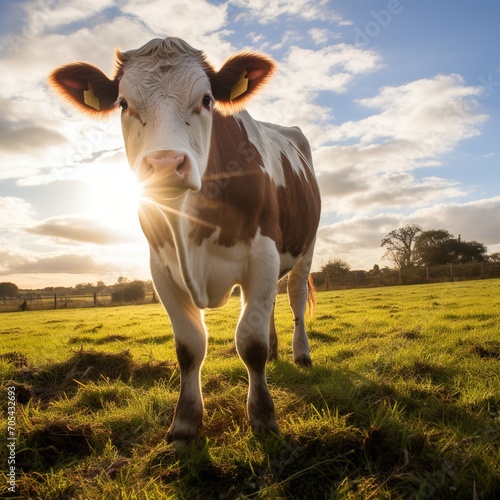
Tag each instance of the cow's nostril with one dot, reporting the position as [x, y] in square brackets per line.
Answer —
[181, 167]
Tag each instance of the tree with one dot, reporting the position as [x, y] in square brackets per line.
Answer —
[335, 270]
[82, 288]
[8, 289]
[467, 251]
[438, 247]
[399, 245]
[128, 291]
[494, 257]
[432, 248]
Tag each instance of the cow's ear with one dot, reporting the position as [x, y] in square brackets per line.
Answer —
[239, 78]
[86, 87]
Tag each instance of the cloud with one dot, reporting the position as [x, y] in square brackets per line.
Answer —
[69, 263]
[79, 228]
[41, 17]
[416, 124]
[291, 96]
[475, 220]
[355, 240]
[347, 190]
[199, 22]
[319, 35]
[15, 213]
[266, 11]
[28, 139]
[433, 114]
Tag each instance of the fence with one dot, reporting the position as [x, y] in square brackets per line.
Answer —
[32, 302]
[410, 276]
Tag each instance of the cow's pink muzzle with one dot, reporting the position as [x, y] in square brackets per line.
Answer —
[167, 174]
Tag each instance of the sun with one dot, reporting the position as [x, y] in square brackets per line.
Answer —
[113, 195]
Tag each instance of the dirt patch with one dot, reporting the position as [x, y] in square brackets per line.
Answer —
[147, 373]
[54, 441]
[18, 359]
[488, 350]
[85, 365]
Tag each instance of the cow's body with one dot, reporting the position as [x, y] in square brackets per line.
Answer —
[228, 201]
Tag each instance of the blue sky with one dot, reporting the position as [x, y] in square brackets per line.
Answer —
[400, 100]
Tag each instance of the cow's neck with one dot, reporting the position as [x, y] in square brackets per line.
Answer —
[182, 221]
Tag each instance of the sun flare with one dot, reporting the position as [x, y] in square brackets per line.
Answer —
[114, 194]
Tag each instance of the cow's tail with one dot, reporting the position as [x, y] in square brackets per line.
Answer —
[311, 297]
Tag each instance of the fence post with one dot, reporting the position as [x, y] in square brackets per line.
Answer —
[55, 301]
[427, 272]
[451, 271]
[95, 299]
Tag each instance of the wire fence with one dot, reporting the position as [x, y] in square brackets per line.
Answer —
[410, 276]
[38, 302]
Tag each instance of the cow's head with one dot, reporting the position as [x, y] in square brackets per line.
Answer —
[166, 91]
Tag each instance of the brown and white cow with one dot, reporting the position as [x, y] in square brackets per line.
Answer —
[228, 201]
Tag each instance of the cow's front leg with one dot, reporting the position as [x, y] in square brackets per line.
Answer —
[190, 344]
[252, 339]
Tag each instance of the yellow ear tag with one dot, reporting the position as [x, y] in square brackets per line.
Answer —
[240, 87]
[90, 99]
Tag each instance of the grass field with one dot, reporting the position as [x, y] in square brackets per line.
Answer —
[403, 401]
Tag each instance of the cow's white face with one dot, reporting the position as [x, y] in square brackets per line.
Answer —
[166, 91]
[166, 116]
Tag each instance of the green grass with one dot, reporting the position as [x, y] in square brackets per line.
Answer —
[403, 401]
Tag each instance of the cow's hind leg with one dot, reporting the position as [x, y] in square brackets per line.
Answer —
[273, 337]
[252, 337]
[298, 293]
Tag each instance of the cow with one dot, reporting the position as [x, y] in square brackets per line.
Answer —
[227, 201]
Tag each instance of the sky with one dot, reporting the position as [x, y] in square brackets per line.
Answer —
[400, 100]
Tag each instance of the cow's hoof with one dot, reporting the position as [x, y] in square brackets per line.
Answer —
[180, 439]
[266, 431]
[304, 361]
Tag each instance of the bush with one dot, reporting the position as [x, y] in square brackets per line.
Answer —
[128, 292]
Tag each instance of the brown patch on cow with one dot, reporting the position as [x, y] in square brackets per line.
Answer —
[185, 357]
[235, 195]
[299, 205]
[254, 355]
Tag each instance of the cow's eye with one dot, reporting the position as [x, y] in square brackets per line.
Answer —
[207, 100]
[123, 104]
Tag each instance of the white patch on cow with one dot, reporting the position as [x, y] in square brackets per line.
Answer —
[288, 261]
[208, 271]
[271, 142]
